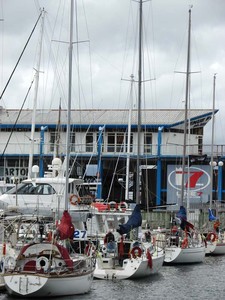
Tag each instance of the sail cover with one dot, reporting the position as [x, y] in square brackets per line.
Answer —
[182, 216]
[211, 216]
[134, 221]
[66, 227]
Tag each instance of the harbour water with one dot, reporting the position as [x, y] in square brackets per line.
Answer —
[200, 281]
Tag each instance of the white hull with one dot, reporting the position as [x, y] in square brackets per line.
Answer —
[36, 285]
[2, 283]
[131, 269]
[216, 248]
[177, 255]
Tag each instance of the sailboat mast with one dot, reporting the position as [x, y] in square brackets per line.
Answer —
[186, 108]
[30, 162]
[69, 105]
[212, 142]
[128, 140]
[139, 106]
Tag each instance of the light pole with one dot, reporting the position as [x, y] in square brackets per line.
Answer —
[219, 166]
[220, 180]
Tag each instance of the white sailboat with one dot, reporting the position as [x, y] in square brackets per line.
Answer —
[127, 257]
[120, 256]
[47, 268]
[184, 245]
[214, 237]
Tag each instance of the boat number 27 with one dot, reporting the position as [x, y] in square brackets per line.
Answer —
[80, 234]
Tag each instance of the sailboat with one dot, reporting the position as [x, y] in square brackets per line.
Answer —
[214, 237]
[123, 255]
[49, 267]
[184, 244]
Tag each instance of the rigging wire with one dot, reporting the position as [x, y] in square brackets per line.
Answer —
[10, 77]
[12, 130]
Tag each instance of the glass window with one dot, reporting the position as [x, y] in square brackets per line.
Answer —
[147, 142]
[72, 141]
[131, 142]
[111, 142]
[120, 142]
[200, 143]
[52, 141]
[89, 142]
[31, 189]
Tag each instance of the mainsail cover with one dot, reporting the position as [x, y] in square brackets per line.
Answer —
[134, 221]
[211, 216]
[66, 227]
[182, 216]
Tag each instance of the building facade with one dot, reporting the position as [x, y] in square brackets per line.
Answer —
[99, 151]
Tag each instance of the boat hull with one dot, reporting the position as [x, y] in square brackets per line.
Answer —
[35, 285]
[215, 248]
[177, 255]
[131, 269]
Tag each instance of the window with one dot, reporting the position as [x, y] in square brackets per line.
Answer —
[131, 142]
[147, 142]
[89, 142]
[200, 142]
[116, 142]
[72, 141]
[111, 142]
[52, 141]
[30, 189]
[120, 142]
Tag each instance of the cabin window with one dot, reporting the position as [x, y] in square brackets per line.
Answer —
[31, 189]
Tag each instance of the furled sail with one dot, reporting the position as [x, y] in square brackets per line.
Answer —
[65, 229]
[182, 217]
[134, 221]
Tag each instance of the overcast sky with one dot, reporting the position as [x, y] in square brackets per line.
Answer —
[107, 53]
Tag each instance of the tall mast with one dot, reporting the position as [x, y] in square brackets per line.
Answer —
[30, 163]
[128, 140]
[139, 106]
[69, 105]
[212, 143]
[186, 108]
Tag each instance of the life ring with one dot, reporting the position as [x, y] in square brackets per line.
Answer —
[184, 243]
[136, 252]
[123, 206]
[74, 199]
[211, 236]
[9, 262]
[42, 263]
[113, 205]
